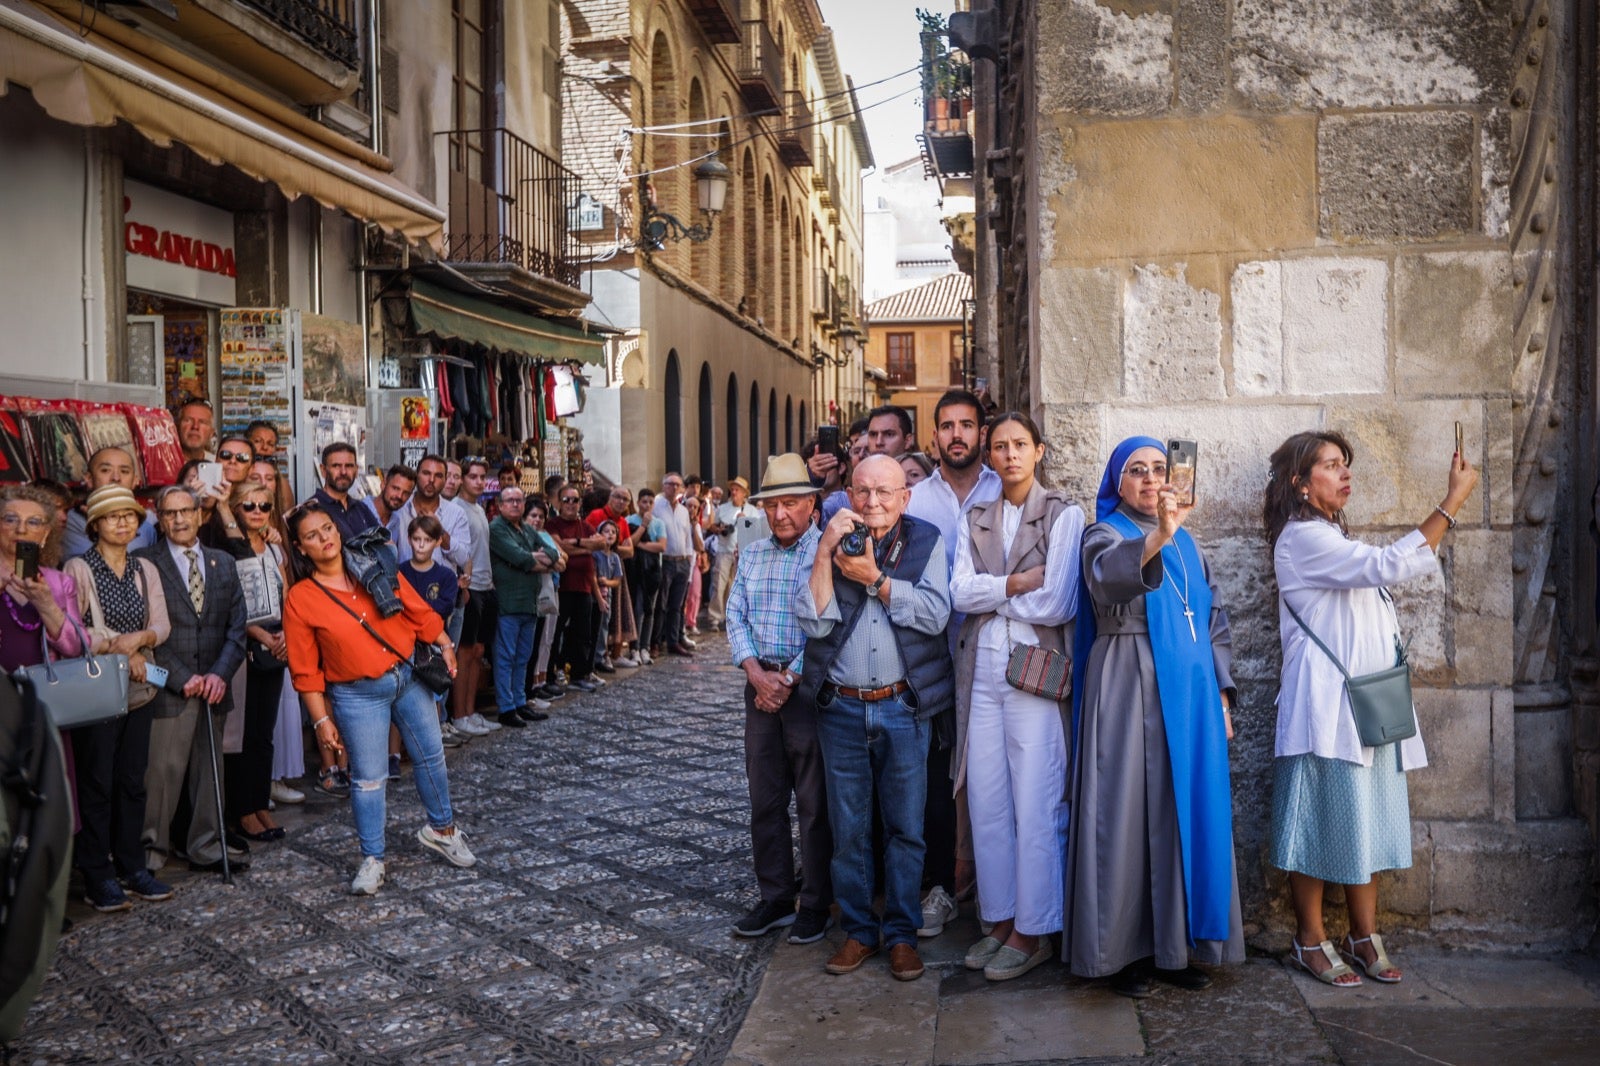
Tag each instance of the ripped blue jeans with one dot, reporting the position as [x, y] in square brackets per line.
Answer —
[363, 711]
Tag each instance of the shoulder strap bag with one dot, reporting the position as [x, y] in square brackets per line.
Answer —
[1381, 702]
[82, 691]
[427, 664]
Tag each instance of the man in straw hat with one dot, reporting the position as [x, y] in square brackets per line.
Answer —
[781, 750]
[735, 524]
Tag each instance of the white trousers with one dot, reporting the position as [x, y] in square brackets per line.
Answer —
[1016, 778]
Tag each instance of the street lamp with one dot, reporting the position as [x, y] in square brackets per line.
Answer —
[657, 227]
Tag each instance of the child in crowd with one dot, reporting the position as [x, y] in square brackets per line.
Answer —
[608, 577]
[436, 583]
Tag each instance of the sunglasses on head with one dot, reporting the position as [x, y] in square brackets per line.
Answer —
[254, 507]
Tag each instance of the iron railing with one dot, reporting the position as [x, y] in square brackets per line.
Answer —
[509, 204]
[329, 26]
[719, 19]
[760, 67]
[794, 136]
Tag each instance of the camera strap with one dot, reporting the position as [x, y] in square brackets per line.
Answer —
[897, 547]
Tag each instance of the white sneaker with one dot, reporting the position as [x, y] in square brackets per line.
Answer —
[644, 657]
[689, 643]
[453, 847]
[467, 727]
[369, 878]
[476, 724]
[282, 793]
[627, 661]
[937, 909]
[538, 704]
[449, 729]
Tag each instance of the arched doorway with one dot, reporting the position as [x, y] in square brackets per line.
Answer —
[772, 421]
[788, 423]
[755, 426]
[707, 425]
[733, 427]
[805, 425]
[674, 414]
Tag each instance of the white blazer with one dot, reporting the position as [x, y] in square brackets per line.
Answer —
[1334, 583]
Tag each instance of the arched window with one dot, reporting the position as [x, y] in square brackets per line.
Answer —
[663, 151]
[733, 427]
[755, 426]
[805, 425]
[785, 327]
[768, 279]
[707, 425]
[750, 292]
[701, 268]
[788, 423]
[772, 421]
[673, 386]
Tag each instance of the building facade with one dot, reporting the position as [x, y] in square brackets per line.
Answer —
[920, 342]
[737, 326]
[1233, 221]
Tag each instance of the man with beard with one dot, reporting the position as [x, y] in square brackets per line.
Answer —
[398, 481]
[943, 499]
[339, 471]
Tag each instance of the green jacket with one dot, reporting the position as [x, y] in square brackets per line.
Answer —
[511, 558]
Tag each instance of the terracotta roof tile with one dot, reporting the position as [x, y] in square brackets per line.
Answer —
[938, 300]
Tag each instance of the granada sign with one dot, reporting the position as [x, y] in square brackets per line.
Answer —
[176, 246]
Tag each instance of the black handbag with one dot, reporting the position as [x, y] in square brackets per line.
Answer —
[1380, 702]
[427, 663]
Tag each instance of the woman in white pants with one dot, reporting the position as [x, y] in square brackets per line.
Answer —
[1016, 579]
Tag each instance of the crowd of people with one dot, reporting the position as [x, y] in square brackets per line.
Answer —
[971, 688]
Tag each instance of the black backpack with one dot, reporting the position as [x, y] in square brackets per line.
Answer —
[35, 849]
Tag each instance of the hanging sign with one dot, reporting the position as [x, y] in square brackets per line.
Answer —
[176, 246]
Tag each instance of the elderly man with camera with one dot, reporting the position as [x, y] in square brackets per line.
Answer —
[878, 666]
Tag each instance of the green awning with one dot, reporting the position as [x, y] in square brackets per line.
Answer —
[456, 316]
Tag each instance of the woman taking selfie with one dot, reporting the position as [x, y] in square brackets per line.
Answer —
[1150, 870]
[1340, 809]
[121, 601]
[355, 687]
[1016, 579]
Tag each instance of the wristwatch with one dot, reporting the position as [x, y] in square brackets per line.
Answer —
[874, 588]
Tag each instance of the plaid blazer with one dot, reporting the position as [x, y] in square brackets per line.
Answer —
[210, 643]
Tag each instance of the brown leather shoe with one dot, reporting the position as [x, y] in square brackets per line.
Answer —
[849, 958]
[904, 962]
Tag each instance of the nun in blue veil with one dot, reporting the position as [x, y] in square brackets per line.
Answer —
[1150, 881]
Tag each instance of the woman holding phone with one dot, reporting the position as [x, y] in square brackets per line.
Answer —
[1340, 810]
[354, 687]
[1150, 869]
[249, 770]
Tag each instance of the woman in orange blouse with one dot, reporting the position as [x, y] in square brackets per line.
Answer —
[354, 688]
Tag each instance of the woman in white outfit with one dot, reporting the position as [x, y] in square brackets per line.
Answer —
[1016, 579]
[1340, 810]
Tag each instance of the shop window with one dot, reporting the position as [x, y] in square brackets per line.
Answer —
[902, 352]
[169, 345]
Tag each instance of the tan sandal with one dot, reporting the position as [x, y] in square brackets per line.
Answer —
[1336, 970]
[1376, 968]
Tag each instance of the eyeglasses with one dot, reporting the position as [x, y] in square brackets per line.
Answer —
[252, 507]
[119, 517]
[1139, 471]
[235, 457]
[174, 512]
[875, 494]
[32, 525]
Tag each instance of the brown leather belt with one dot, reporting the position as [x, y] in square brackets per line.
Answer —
[872, 695]
[768, 664]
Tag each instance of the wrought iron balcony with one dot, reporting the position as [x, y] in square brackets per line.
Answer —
[946, 108]
[824, 297]
[718, 19]
[760, 68]
[794, 138]
[329, 26]
[821, 159]
[509, 207]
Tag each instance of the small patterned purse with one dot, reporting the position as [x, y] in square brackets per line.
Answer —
[1040, 671]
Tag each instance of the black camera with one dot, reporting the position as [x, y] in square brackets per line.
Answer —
[855, 541]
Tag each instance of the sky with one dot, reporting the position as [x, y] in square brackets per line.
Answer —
[876, 39]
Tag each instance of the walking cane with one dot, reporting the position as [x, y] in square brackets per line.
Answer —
[216, 788]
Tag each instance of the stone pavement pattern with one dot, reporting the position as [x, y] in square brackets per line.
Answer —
[613, 854]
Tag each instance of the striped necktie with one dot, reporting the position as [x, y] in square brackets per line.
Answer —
[197, 585]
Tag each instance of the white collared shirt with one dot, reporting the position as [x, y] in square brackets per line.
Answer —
[933, 500]
[451, 515]
[1052, 604]
[680, 528]
[181, 559]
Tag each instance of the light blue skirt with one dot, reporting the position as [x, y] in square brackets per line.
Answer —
[1340, 821]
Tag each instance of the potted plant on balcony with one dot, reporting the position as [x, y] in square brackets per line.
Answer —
[946, 76]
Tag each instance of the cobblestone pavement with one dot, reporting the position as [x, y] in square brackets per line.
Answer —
[613, 852]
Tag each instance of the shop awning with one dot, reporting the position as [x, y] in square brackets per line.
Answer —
[91, 81]
[456, 316]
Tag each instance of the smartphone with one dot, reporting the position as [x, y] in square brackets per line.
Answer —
[155, 675]
[1182, 458]
[27, 560]
[828, 440]
[210, 475]
[1459, 444]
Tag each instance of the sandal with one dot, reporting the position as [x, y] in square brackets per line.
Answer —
[1335, 973]
[1378, 966]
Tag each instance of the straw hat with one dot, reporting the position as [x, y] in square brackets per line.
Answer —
[741, 482]
[785, 475]
[109, 500]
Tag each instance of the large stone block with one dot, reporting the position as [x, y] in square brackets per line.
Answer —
[1172, 337]
[1242, 571]
[1424, 623]
[1458, 781]
[1396, 177]
[1369, 53]
[1527, 883]
[1335, 326]
[1480, 611]
[1495, 166]
[1402, 456]
[1235, 440]
[1453, 323]
[1495, 454]
[1080, 350]
[1144, 189]
[1409, 892]
[1074, 434]
[1544, 763]
[1256, 297]
[1095, 59]
[1200, 46]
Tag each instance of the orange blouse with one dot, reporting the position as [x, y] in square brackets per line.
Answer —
[327, 645]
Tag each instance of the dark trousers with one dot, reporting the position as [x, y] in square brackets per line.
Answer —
[111, 759]
[939, 822]
[574, 645]
[782, 755]
[646, 593]
[675, 574]
[249, 772]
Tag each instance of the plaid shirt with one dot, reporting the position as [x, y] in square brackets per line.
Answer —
[760, 612]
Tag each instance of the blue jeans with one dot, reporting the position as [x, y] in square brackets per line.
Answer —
[881, 748]
[363, 711]
[513, 647]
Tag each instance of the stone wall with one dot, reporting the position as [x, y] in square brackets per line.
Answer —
[1262, 216]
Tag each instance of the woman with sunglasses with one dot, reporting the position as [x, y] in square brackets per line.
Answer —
[1150, 870]
[261, 574]
[352, 666]
[220, 527]
[288, 751]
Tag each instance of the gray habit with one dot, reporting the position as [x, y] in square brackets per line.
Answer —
[1125, 898]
